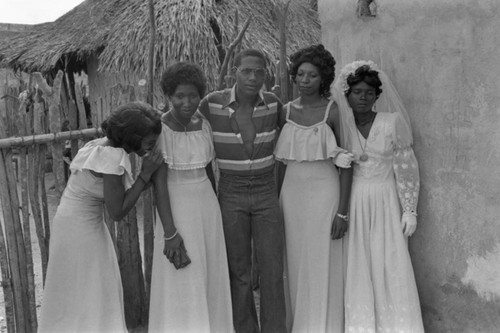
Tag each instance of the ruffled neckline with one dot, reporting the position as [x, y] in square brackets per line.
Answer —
[187, 150]
[97, 156]
[306, 143]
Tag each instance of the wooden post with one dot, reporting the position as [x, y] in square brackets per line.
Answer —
[130, 263]
[283, 11]
[7, 284]
[5, 247]
[147, 198]
[53, 98]
[127, 241]
[82, 116]
[24, 128]
[230, 49]
[35, 160]
[14, 247]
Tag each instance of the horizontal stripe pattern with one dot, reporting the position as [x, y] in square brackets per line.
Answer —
[232, 157]
[246, 164]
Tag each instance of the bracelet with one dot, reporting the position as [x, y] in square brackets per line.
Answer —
[171, 237]
[141, 177]
[343, 217]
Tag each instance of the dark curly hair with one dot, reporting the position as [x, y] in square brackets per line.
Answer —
[318, 56]
[183, 73]
[367, 75]
[130, 123]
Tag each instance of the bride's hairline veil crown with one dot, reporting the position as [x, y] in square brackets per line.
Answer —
[388, 101]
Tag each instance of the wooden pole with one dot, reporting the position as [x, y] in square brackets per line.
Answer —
[230, 49]
[283, 58]
[8, 254]
[8, 295]
[23, 175]
[20, 240]
[147, 207]
[53, 98]
[24, 127]
[49, 138]
[22, 322]
[34, 176]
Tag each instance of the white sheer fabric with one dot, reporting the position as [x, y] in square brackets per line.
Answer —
[381, 293]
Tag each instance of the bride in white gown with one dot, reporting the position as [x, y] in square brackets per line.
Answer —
[381, 293]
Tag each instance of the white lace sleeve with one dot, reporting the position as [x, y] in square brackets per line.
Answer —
[405, 168]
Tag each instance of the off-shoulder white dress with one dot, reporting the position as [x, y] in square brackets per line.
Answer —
[195, 298]
[381, 294]
[83, 290]
[309, 199]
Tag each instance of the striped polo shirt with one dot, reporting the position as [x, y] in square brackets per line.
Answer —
[232, 158]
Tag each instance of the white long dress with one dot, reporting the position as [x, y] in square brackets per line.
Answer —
[309, 199]
[83, 290]
[195, 298]
[381, 294]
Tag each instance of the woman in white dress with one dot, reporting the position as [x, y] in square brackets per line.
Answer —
[83, 290]
[190, 293]
[314, 200]
[381, 294]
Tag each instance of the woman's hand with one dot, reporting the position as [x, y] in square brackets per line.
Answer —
[150, 163]
[176, 252]
[343, 160]
[339, 226]
[409, 224]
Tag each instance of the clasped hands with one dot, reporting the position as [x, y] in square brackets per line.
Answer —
[176, 252]
[343, 160]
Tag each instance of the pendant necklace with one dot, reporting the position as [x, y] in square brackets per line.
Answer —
[364, 156]
[178, 122]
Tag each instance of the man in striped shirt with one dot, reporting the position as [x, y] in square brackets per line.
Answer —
[244, 121]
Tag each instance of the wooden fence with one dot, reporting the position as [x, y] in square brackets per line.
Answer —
[40, 124]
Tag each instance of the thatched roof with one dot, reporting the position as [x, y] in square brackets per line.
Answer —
[117, 31]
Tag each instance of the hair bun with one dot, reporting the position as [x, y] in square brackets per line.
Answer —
[104, 125]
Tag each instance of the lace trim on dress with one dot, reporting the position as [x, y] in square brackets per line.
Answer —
[187, 150]
[405, 168]
[97, 157]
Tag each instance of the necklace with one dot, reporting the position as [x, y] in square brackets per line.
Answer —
[364, 156]
[180, 123]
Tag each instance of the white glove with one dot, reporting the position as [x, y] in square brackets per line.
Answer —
[343, 160]
[409, 224]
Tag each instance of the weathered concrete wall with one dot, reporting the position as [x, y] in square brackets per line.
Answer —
[443, 55]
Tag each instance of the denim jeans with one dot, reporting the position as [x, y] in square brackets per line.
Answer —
[250, 211]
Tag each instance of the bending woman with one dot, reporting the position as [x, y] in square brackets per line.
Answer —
[314, 200]
[381, 294]
[83, 289]
[187, 297]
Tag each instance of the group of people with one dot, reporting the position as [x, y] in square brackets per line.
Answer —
[327, 224]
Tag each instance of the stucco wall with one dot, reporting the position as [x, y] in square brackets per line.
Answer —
[443, 55]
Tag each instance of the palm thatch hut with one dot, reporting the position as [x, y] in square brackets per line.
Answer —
[109, 40]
